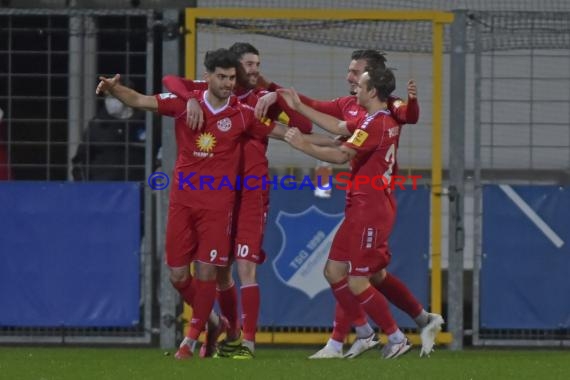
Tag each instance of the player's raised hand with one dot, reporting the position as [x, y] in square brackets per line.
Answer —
[263, 104]
[412, 89]
[194, 114]
[295, 138]
[106, 84]
[291, 97]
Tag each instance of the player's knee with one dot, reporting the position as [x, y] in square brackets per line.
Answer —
[224, 277]
[246, 272]
[179, 275]
[378, 278]
[206, 272]
[335, 272]
[358, 284]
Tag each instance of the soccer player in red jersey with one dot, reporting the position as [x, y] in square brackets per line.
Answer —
[361, 242]
[251, 208]
[202, 199]
[347, 109]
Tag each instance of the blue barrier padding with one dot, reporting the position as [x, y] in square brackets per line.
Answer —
[69, 254]
[525, 282]
[299, 232]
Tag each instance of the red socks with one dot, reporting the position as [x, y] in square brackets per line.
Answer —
[400, 296]
[348, 310]
[342, 324]
[202, 306]
[228, 301]
[377, 308]
[250, 308]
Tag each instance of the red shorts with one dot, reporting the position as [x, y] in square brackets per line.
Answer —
[197, 235]
[249, 225]
[362, 240]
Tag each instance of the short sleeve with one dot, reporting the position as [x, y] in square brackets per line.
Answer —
[352, 124]
[260, 128]
[255, 127]
[365, 140]
[170, 105]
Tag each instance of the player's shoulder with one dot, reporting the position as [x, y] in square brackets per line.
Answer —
[243, 106]
[386, 118]
[378, 122]
[395, 102]
[240, 109]
[345, 100]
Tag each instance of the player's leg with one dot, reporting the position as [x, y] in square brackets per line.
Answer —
[217, 323]
[248, 254]
[228, 300]
[347, 309]
[212, 229]
[368, 258]
[336, 273]
[398, 293]
[180, 242]
[227, 289]
[377, 308]
[400, 296]
[250, 305]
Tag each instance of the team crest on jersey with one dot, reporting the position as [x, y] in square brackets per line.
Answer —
[225, 124]
[307, 238]
[206, 142]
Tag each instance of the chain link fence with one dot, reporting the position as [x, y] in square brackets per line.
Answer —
[54, 128]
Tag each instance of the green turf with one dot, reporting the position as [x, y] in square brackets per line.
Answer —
[55, 363]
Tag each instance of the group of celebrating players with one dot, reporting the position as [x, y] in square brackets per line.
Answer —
[222, 125]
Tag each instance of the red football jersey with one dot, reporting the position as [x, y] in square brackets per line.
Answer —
[207, 160]
[255, 161]
[376, 142]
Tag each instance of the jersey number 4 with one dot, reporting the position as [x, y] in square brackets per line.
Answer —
[391, 160]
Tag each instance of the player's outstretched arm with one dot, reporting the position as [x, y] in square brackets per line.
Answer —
[125, 94]
[327, 122]
[325, 106]
[320, 139]
[406, 113]
[335, 155]
[280, 130]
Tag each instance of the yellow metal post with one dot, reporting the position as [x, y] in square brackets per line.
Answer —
[436, 167]
[190, 44]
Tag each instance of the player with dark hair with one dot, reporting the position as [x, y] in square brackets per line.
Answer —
[199, 219]
[251, 208]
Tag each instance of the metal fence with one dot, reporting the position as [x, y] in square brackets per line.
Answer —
[55, 128]
[521, 123]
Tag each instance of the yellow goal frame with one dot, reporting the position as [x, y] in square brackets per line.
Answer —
[438, 20]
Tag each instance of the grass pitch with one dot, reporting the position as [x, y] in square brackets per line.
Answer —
[62, 363]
